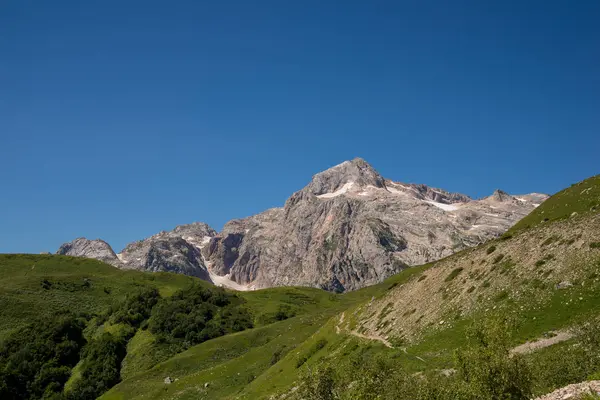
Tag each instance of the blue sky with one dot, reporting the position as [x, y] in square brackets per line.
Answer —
[122, 118]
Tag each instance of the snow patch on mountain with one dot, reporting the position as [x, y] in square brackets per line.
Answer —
[443, 206]
[344, 189]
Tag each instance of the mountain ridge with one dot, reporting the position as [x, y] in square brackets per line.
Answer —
[347, 228]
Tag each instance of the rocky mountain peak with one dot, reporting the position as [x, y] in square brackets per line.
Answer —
[356, 173]
[194, 229]
[82, 247]
[500, 196]
[349, 227]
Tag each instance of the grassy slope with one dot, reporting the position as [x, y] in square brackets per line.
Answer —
[556, 309]
[36, 285]
[240, 365]
[582, 197]
[76, 284]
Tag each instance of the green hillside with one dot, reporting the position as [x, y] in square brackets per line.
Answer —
[581, 198]
[119, 306]
[74, 328]
[36, 285]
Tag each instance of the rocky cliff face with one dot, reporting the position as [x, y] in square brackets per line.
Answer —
[348, 228]
[82, 247]
[173, 251]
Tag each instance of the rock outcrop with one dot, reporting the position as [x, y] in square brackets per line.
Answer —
[82, 247]
[173, 251]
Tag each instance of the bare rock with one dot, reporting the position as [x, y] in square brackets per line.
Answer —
[350, 227]
[82, 247]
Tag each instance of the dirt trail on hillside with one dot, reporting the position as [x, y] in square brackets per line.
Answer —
[571, 391]
[338, 330]
[372, 337]
[530, 347]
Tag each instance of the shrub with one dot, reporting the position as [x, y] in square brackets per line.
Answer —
[550, 240]
[595, 245]
[36, 361]
[198, 314]
[319, 384]
[277, 354]
[539, 263]
[501, 296]
[300, 361]
[491, 249]
[487, 366]
[284, 312]
[136, 308]
[453, 274]
[321, 343]
[100, 368]
[498, 258]
[318, 345]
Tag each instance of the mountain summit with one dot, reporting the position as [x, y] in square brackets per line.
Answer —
[353, 174]
[348, 228]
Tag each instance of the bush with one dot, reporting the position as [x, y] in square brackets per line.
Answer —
[498, 258]
[284, 312]
[319, 384]
[550, 240]
[453, 274]
[491, 249]
[487, 366]
[595, 245]
[136, 308]
[198, 314]
[277, 354]
[100, 369]
[318, 345]
[36, 361]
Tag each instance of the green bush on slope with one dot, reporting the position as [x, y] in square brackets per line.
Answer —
[101, 367]
[485, 370]
[136, 308]
[198, 314]
[36, 361]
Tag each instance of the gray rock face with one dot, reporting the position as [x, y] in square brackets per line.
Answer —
[166, 254]
[173, 251]
[357, 171]
[350, 228]
[82, 247]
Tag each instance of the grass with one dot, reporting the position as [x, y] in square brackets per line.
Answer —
[581, 198]
[75, 284]
[254, 363]
[228, 363]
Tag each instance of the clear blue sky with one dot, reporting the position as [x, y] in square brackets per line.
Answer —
[122, 118]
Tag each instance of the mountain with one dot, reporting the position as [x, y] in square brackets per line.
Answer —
[348, 228]
[516, 317]
[174, 251]
[82, 247]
